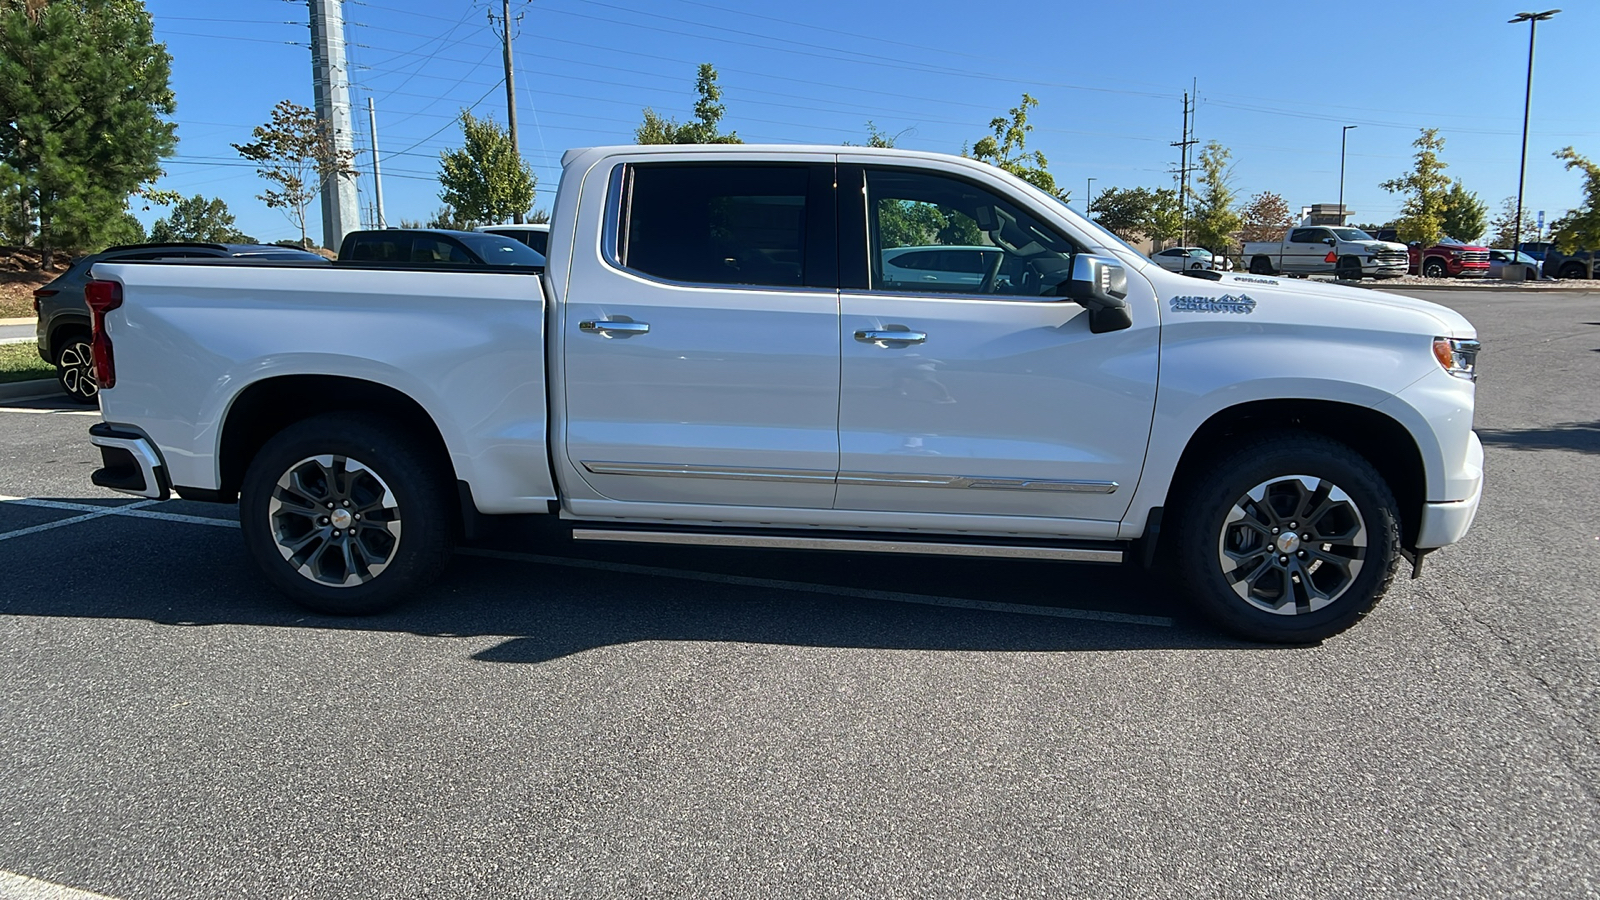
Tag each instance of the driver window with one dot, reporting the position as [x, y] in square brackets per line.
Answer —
[934, 234]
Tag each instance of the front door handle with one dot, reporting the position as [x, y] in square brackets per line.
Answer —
[611, 329]
[884, 338]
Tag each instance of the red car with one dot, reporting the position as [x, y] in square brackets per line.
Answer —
[1449, 258]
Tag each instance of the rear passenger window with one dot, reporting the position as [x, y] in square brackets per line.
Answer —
[385, 248]
[723, 224]
[430, 250]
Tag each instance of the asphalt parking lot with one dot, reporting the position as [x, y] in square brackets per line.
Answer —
[559, 720]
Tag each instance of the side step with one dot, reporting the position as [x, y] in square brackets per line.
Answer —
[1093, 554]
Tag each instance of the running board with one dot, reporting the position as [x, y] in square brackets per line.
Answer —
[857, 545]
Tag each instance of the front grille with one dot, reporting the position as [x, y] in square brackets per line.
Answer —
[1475, 256]
[1393, 258]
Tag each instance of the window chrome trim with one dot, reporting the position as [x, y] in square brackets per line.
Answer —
[941, 295]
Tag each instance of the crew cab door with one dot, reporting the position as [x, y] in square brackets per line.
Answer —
[994, 399]
[701, 338]
[1308, 250]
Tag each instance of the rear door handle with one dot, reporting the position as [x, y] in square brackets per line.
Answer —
[884, 338]
[610, 329]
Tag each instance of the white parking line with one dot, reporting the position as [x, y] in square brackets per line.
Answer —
[21, 887]
[49, 412]
[136, 510]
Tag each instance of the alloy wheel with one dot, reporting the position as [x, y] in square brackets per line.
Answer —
[1292, 545]
[75, 370]
[334, 520]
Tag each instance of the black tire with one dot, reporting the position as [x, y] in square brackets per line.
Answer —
[1355, 522]
[1349, 269]
[1195, 266]
[400, 547]
[1573, 270]
[75, 369]
[1260, 265]
[1434, 268]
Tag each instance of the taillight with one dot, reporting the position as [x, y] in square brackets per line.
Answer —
[39, 295]
[103, 297]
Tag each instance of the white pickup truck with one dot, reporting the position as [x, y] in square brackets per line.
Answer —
[1347, 253]
[713, 356]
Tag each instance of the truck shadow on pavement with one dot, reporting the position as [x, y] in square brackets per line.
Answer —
[1583, 437]
[188, 576]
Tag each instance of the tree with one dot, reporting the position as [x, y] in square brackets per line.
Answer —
[16, 219]
[1007, 149]
[485, 181]
[708, 112]
[450, 218]
[1580, 228]
[83, 89]
[1466, 217]
[1213, 218]
[295, 152]
[1265, 218]
[1427, 192]
[877, 138]
[1503, 228]
[1132, 213]
[198, 219]
[539, 217]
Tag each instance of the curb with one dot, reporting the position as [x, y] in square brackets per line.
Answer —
[24, 320]
[36, 389]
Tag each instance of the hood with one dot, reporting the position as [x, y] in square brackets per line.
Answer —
[1450, 322]
[1377, 246]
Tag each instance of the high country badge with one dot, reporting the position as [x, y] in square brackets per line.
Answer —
[1227, 303]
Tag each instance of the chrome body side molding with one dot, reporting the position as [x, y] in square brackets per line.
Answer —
[733, 473]
[882, 479]
[856, 545]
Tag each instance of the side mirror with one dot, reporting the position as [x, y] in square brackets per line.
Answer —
[1329, 241]
[1100, 285]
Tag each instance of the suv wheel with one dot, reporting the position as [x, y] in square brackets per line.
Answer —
[1292, 538]
[344, 515]
[75, 369]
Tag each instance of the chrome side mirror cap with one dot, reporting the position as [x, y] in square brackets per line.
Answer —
[1100, 285]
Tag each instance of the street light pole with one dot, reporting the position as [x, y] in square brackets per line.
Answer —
[1343, 132]
[1533, 20]
[1088, 199]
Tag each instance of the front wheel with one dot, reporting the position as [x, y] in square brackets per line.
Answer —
[345, 515]
[1290, 538]
[75, 370]
[1260, 266]
[1434, 269]
[1349, 270]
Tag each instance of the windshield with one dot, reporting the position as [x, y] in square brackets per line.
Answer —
[498, 250]
[1351, 234]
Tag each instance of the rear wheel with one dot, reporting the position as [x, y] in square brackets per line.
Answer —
[75, 369]
[1290, 538]
[344, 514]
[1260, 266]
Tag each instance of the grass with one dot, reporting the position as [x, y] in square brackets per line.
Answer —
[21, 362]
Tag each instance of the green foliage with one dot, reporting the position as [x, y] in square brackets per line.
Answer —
[1427, 192]
[912, 223]
[198, 219]
[1265, 218]
[296, 153]
[1007, 149]
[485, 181]
[1132, 213]
[1466, 217]
[123, 228]
[83, 89]
[16, 217]
[1213, 218]
[708, 112]
[450, 218]
[1580, 228]
[876, 138]
[1502, 229]
[539, 217]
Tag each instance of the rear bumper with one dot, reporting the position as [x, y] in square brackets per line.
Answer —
[1444, 523]
[131, 464]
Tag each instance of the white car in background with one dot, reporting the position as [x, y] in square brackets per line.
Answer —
[1533, 269]
[939, 267]
[535, 236]
[1176, 259]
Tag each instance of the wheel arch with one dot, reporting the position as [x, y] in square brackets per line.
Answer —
[268, 406]
[1379, 438]
[62, 328]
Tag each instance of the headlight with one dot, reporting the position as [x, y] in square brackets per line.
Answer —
[1459, 357]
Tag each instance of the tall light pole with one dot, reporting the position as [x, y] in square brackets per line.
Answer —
[1533, 20]
[1088, 198]
[1343, 132]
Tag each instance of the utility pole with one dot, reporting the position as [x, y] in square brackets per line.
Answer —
[1183, 170]
[1088, 198]
[377, 173]
[1342, 135]
[511, 82]
[1533, 20]
[341, 210]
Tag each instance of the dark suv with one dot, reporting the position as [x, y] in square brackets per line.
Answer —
[64, 329]
[436, 247]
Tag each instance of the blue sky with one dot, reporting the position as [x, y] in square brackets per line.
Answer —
[1276, 81]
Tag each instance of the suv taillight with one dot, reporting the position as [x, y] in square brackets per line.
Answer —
[39, 295]
[103, 297]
